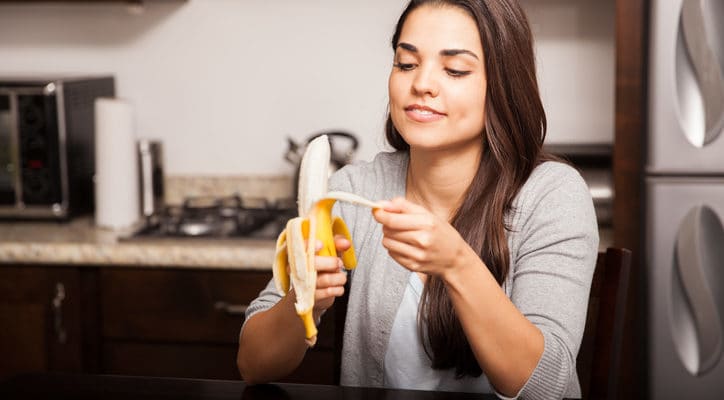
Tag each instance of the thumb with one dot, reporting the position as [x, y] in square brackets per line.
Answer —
[407, 206]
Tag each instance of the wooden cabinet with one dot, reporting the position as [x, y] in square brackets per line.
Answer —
[40, 320]
[632, 25]
[185, 323]
[134, 321]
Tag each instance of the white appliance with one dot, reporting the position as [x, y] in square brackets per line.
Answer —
[685, 200]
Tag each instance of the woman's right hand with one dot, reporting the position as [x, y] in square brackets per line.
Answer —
[331, 276]
[260, 361]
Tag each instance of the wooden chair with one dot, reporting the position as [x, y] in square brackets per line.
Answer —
[599, 357]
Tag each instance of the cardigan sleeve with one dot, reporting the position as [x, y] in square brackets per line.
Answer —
[266, 299]
[552, 271]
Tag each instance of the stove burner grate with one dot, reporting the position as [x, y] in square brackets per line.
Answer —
[220, 217]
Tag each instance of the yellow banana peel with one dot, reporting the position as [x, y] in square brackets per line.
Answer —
[295, 248]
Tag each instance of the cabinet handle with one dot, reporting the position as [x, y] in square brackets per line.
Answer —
[57, 304]
[231, 309]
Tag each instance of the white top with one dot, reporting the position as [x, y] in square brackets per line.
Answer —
[406, 363]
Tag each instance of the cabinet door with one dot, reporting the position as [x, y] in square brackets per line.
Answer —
[185, 323]
[39, 320]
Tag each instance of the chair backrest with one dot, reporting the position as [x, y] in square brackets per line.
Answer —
[598, 361]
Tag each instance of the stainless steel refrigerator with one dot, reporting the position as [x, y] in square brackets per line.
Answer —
[685, 200]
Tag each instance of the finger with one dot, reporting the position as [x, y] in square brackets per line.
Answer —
[327, 264]
[317, 245]
[325, 293]
[331, 280]
[421, 239]
[341, 243]
[407, 206]
[405, 262]
[389, 206]
[403, 221]
[403, 249]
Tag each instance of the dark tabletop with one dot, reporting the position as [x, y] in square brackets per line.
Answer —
[81, 386]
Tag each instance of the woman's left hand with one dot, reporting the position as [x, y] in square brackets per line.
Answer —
[417, 239]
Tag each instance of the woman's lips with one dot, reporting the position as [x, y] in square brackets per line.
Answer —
[423, 114]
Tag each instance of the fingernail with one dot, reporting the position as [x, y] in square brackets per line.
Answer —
[318, 245]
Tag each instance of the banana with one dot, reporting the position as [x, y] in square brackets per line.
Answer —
[295, 247]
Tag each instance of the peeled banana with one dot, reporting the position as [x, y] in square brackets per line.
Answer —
[295, 247]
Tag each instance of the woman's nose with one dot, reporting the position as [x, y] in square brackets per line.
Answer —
[425, 83]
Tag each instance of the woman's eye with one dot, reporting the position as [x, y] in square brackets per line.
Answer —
[404, 66]
[456, 73]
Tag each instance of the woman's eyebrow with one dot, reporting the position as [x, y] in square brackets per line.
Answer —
[407, 47]
[444, 53]
[455, 52]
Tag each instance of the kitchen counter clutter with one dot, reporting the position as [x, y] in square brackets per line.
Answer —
[80, 243]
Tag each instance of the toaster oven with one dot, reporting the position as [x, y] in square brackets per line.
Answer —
[47, 145]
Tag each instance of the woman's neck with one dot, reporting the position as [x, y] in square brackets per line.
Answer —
[438, 181]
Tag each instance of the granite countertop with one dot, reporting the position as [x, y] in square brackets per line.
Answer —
[80, 243]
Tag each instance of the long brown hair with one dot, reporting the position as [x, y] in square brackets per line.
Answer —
[513, 134]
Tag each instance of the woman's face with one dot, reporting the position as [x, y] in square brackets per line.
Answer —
[437, 84]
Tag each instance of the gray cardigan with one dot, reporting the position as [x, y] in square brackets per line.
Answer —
[553, 245]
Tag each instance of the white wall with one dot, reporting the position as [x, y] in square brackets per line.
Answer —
[224, 82]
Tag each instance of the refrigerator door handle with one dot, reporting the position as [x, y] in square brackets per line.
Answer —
[697, 297]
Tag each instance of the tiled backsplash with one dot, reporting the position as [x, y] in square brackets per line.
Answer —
[266, 186]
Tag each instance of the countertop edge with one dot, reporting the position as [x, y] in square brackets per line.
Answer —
[239, 256]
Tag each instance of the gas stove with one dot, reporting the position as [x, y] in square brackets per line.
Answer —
[219, 218]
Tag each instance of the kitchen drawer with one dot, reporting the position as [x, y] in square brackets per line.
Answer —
[179, 306]
[42, 320]
[175, 305]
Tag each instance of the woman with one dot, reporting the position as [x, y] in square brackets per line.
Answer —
[476, 275]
